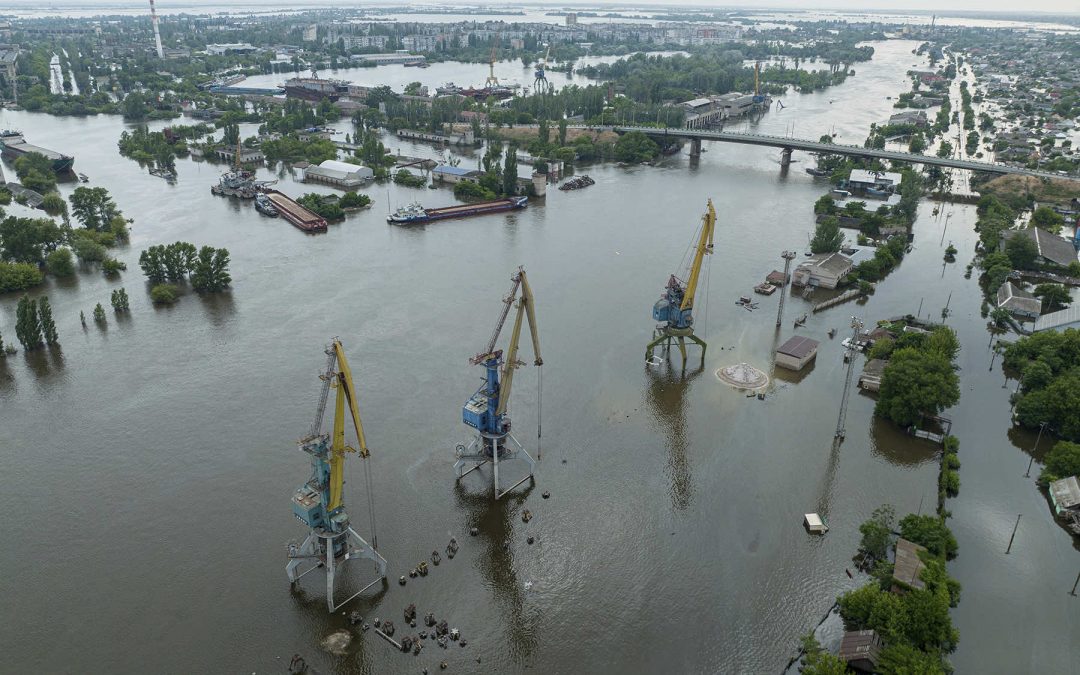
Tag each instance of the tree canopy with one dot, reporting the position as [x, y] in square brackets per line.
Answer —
[827, 236]
[916, 383]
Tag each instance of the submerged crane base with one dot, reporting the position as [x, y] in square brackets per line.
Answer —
[491, 448]
[664, 336]
[316, 547]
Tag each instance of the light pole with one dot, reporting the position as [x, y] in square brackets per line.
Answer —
[1042, 425]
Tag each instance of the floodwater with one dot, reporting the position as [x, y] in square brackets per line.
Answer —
[149, 464]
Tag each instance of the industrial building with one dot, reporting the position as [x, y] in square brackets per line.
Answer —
[231, 48]
[796, 353]
[1018, 302]
[824, 270]
[1060, 320]
[339, 174]
[452, 174]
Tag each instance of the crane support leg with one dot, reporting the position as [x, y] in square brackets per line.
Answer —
[319, 547]
[477, 454]
[665, 337]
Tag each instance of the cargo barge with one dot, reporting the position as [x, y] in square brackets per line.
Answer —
[315, 88]
[15, 146]
[414, 213]
[299, 216]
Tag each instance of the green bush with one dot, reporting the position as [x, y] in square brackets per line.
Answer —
[18, 276]
[353, 200]
[468, 190]
[163, 294]
[931, 532]
[112, 267]
[60, 263]
[1062, 461]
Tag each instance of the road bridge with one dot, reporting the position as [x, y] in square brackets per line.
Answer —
[788, 145]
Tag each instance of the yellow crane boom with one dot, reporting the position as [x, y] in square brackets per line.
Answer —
[346, 394]
[704, 246]
[525, 308]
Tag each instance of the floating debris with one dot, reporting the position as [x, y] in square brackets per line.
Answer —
[410, 613]
[406, 644]
[463, 642]
[442, 628]
[545, 494]
[443, 665]
[474, 531]
[338, 642]
[452, 548]
[377, 622]
[526, 516]
[297, 665]
[429, 619]
[423, 635]
[530, 541]
[388, 627]
[454, 634]
[422, 569]
[401, 580]
[435, 558]
[413, 573]
[355, 617]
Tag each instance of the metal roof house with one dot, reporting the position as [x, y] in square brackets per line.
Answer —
[1018, 302]
[1065, 494]
[860, 650]
[339, 174]
[796, 352]
[822, 269]
[861, 179]
[1060, 320]
[1052, 248]
[870, 379]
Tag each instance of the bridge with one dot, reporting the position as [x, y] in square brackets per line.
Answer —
[788, 144]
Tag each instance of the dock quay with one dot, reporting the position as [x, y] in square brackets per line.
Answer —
[299, 216]
[466, 138]
[832, 302]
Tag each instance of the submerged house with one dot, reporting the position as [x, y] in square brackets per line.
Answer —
[860, 650]
[1018, 302]
[822, 269]
[1065, 494]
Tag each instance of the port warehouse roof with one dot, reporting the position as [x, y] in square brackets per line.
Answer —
[798, 346]
[1066, 318]
[332, 168]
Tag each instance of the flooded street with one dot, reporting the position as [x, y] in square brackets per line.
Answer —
[157, 456]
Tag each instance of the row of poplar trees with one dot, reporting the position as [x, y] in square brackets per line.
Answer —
[34, 325]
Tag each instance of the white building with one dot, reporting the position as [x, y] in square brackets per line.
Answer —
[364, 41]
[339, 174]
[822, 269]
[231, 48]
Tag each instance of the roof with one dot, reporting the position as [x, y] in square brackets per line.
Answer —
[697, 102]
[1012, 298]
[874, 367]
[835, 263]
[1066, 492]
[864, 176]
[1059, 319]
[908, 565]
[859, 644]
[452, 170]
[346, 167]
[1051, 247]
[798, 346]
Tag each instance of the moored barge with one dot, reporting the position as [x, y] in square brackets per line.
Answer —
[414, 213]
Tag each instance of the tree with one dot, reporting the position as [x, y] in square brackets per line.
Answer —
[48, 326]
[60, 263]
[99, 313]
[914, 384]
[163, 294]
[562, 131]
[827, 236]
[88, 250]
[635, 147]
[877, 532]
[1054, 296]
[942, 341]
[1048, 219]
[119, 300]
[413, 89]
[152, 262]
[903, 659]
[18, 276]
[28, 239]
[93, 207]
[945, 149]
[1062, 461]
[510, 172]
[178, 259]
[210, 272]
[1022, 251]
[54, 205]
[135, 107]
[931, 532]
[353, 200]
[917, 143]
[27, 325]
[35, 172]
[544, 133]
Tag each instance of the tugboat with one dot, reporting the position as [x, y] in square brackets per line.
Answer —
[264, 206]
[237, 183]
[410, 213]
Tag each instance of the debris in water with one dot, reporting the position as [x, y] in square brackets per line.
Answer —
[435, 558]
[474, 531]
[454, 634]
[528, 585]
[338, 642]
[463, 642]
[526, 516]
[410, 613]
[401, 580]
[388, 627]
[406, 644]
[377, 622]
[442, 628]
[546, 494]
[355, 617]
[529, 541]
[443, 665]
[429, 619]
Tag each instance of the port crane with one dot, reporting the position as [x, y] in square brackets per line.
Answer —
[675, 307]
[320, 502]
[491, 80]
[486, 411]
[541, 85]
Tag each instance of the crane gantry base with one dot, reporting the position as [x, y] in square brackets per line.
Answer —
[315, 548]
[663, 337]
[480, 453]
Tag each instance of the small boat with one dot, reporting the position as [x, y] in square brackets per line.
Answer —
[264, 206]
[817, 173]
[84, 178]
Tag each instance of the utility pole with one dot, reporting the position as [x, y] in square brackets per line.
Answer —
[856, 326]
[787, 256]
[1013, 534]
[1042, 425]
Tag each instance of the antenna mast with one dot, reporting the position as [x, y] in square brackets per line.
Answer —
[157, 33]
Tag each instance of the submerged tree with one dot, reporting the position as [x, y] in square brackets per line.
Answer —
[27, 325]
[119, 300]
[99, 313]
[48, 326]
[827, 236]
[210, 272]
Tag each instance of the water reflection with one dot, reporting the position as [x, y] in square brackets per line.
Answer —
[666, 398]
[219, 307]
[890, 442]
[494, 522]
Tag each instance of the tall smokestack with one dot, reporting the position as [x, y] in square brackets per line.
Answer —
[157, 33]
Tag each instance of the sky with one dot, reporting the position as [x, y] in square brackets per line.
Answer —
[1012, 6]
